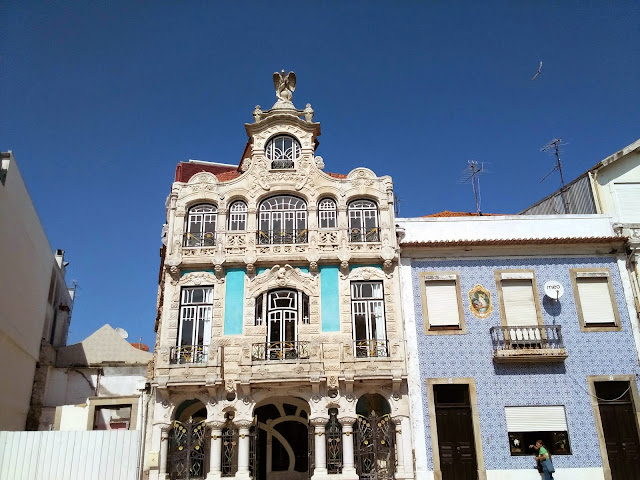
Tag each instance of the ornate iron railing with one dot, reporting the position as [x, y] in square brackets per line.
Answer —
[374, 447]
[364, 235]
[333, 435]
[229, 460]
[206, 239]
[190, 354]
[282, 163]
[280, 351]
[371, 348]
[526, 337]
[279, 237]
[187, 444]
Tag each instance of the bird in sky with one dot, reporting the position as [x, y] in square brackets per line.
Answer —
[538, 72]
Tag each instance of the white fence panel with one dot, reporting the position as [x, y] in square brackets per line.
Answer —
[93, 455]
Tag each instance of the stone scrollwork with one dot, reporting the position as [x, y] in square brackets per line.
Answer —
[279, 277]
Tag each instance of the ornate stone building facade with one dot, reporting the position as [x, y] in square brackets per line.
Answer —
[280, 347]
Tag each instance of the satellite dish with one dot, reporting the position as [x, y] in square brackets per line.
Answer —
[122, 332]
[553, 289]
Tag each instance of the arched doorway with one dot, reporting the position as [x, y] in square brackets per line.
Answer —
[188, 442]
[374, 442]
[283, 439]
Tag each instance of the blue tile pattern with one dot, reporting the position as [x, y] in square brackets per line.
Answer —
[470, 355]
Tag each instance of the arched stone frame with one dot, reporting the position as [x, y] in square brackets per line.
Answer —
[282, 277]
[170, 329]
[304, 136]
[366, 274]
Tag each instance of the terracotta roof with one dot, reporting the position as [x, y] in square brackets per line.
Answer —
[515, 241]
[140, 346]
[186, 170]
[337, 175]
[448, 213]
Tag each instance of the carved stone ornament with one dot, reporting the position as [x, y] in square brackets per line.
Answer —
[308, 113]
[279, 277]
[365, 274]
[199, 278]
[257, 114]
[229, 386]
[285, 85]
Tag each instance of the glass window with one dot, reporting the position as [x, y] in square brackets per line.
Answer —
[201, 226]
[282, 219]
[363, 221]
[112, 417]
[327, 213]
[194, 332]
[595, 300]
[367, 313]
[238, 216]
[527, 424]
[283, 151]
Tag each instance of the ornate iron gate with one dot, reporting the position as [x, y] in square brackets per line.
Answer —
[187, 450]
[312, 449]
[375, 451]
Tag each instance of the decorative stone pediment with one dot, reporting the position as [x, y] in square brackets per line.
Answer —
[194, 279]
[365, 274]
[282, 277]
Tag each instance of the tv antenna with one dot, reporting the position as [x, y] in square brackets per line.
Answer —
[555, 146]
[470, 175]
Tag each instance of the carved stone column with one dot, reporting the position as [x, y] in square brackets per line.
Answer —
[243, 448]
[215, 460]
[399, 445]
[320, 470]
[348, 462]
[164, 450]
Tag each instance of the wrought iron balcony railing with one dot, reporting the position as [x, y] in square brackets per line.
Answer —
[371, 348]
[532, 341]
[364, 235]
[206, 239]
[271, 237]
[190, 354]
[280, 351]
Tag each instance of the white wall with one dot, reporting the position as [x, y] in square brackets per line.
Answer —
[25, 273]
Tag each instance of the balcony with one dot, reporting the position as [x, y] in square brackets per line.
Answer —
[280, 351]
[371, 348]
[280, 237]
[364, 235]
[206, 239]
[189, 354]
[528, 344]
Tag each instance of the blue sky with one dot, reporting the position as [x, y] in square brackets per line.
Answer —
[101, 100]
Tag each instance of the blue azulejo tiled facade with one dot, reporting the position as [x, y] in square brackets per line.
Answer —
[499, 385]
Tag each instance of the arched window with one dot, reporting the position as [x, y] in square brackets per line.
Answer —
[201, 226]
[281, 310]
[363, 221]
[238, 216]
[283, 151]
[327, 213]
[283, 219]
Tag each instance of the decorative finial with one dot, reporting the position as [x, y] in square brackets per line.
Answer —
[257, 114]
[308, 113]
[285, 85]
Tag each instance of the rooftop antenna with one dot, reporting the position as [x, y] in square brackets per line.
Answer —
[555, 145]
[470, 174]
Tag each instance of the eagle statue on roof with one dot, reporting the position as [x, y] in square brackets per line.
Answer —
[285, 85]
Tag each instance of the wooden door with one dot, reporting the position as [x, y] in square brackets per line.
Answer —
[620, 429]
[456, 444]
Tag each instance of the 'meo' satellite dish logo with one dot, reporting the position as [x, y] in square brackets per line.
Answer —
[553, 289]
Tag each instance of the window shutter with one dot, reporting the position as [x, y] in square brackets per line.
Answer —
[628, 197]
[595, 300]
[519, 303]
[442, 303]
[536, 419]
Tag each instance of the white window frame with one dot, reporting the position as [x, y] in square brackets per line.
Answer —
[363, 221]
[193, 316]
[280, 154]
[577, 274]
[372, 307]
[238, 216]
[286, 212]
[437, 328]
[196, 233]
[327, 214]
